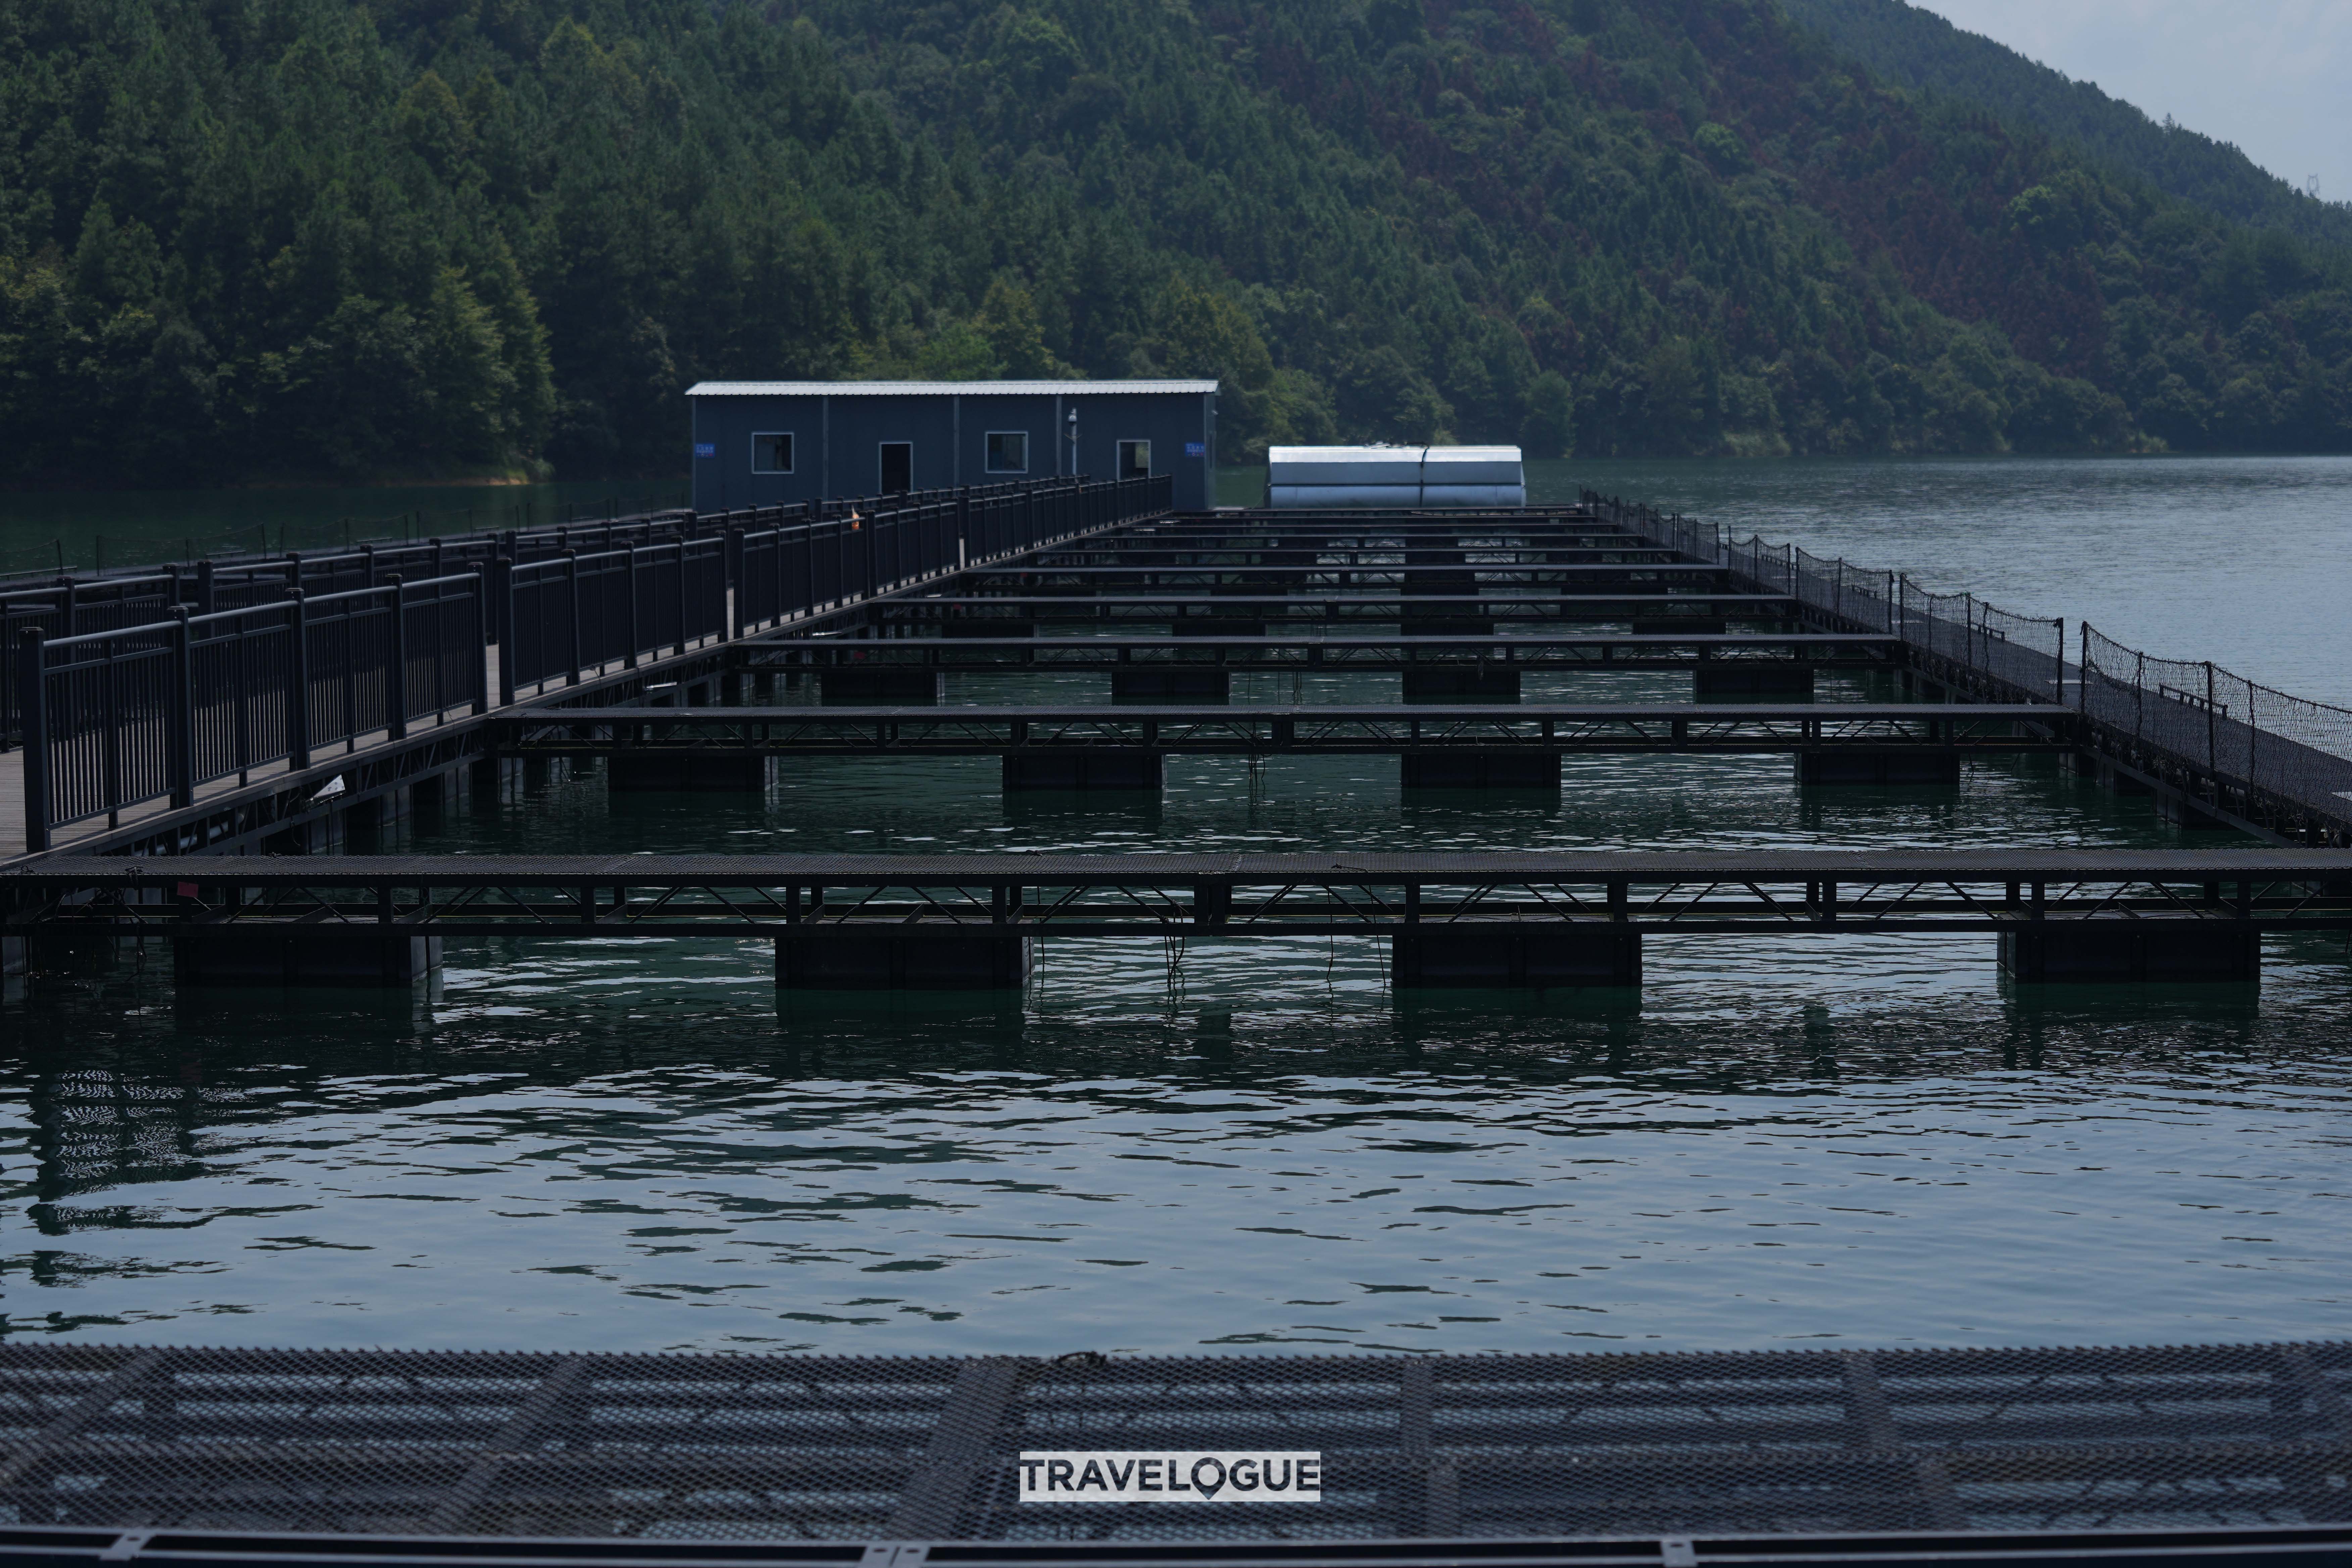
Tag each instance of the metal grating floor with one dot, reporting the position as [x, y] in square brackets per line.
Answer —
[678, 1448]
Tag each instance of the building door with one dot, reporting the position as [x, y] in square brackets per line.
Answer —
[1134, 459]
[897, 466]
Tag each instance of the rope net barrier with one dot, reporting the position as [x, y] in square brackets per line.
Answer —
[2232, 728]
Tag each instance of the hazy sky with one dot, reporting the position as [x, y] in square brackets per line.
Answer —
[2273, 76]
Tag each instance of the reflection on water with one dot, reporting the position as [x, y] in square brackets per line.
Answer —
[42, 530]
[570, 1148]
[1226, 1144]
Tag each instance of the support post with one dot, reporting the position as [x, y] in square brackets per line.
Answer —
[33, 700]
[297, 682]
[481, 591]
[2212, 747]
[571, 593]
[182, 712]
[733, 586]
[395, 681]
[630, 659]
[502, 596]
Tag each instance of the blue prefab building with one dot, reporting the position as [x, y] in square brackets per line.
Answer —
[764, 443]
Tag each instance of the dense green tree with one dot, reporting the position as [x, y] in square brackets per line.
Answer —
[256, 236]
[1911, 46]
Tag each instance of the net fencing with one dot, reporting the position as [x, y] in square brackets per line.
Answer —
[2232, 728]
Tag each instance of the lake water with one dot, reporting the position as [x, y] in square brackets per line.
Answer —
[1261, 1147]
[41, 530]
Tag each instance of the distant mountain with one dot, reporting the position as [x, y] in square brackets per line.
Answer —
[1916, 49]
[246, 238]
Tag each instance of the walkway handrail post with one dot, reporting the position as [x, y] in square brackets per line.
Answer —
[204, 587]
[32, 702]
[502, 601]
[505, 551]
[182, 711]
[685, 598]
[2212, 752]
[733, 585]
[395, 681]
[480, 592]
[571, 593]
[632, 641]
[297, 681]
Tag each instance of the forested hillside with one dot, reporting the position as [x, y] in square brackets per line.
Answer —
[243, 238]
[1912, 48]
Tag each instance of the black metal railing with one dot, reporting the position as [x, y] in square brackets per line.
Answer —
[332, 568]
[114, 720]
[904, 537]
[130, 690]
[577, 612]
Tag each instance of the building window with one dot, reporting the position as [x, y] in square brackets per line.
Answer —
[1134, 459]
[1008, 451]
[897, 468]
[772, 452]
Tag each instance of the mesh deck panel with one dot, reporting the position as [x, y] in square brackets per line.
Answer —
[712, 1449]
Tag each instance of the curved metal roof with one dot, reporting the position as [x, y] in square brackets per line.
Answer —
[917, 388]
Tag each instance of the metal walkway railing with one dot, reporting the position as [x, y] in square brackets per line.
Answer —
[2262, 754]
[142, 689]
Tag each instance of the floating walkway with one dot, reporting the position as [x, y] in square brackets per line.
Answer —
[1454, 744]
[124, 1453]
[969, 921]
[657, 664]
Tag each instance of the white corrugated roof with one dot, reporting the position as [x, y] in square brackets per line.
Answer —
[969, 388]
[1392, 455]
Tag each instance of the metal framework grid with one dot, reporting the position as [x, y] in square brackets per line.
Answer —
[1243, 731]
[680, 1447]
[1328, 653]
[1349, 893]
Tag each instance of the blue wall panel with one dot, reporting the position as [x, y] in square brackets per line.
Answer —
[837, 440]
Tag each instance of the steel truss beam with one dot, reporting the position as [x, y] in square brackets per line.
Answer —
[1334, 651]
[1252, 731]
[1833, 892]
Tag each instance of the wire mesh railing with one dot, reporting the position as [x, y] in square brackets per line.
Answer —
[2021, 655]
[2234, 731]
[2233, 728]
